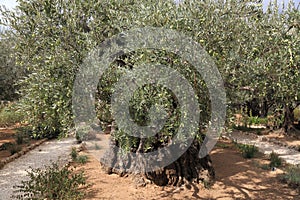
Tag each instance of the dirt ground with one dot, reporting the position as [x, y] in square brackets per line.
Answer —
[7, 134]
[236, 178]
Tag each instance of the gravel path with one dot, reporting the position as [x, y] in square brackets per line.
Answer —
[14, 172]
[290, 156]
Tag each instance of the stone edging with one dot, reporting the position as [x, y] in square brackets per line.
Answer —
[20, 153]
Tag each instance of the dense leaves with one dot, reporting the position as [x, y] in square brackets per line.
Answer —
[10, 72]
[257, 53]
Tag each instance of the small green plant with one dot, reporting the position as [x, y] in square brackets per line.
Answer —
[207, 184]
[10, 116]
[51, 182]
[275, 160]
[223, 146]
[15, 149]
[74, 154]
[248, 151]
[82, 159]
[97, 147]
[262, 166]
[265, 167]
[292, 176]
[19, 138]
[6, 146]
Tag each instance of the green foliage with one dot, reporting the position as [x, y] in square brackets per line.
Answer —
[10, 72]
[248, 151]
[14, 149]
[97, 147]
[275, 160]
[20, 138]
[74, 153]
[82, 159]
[51, 182]
[6, 146]
[11, 147]
[265, 167]
[256, 54]
[257, 120]
[292, 176]
[10, 115]
[223, 146]
[50, 44]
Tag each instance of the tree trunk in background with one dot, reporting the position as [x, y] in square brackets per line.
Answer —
[288, 122]
[264, 109]
[253, 107]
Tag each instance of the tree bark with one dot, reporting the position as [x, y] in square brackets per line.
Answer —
[189, 168]
[289, 119]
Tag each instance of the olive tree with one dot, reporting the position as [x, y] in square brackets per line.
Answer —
[53, 38]
[10, 72]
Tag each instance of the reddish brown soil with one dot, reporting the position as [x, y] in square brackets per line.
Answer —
[236, 178]
[8, 135]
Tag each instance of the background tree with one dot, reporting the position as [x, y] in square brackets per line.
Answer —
[10, 72]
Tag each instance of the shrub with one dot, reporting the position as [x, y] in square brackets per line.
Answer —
[6, 146]
[82, 159]
[248, 151]
[74, 154]
[97, 147]
[51, 183]
[275, 160]
[9, 116]
[20, 138]
[15, 149]
[292, 176]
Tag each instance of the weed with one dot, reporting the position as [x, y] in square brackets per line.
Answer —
[262, 166]
[248, 151]
[82, 159]
[97, 147]
[223, 146]
[51, 182]
[14, 149]
[265, 167]
[207, 184]
[275, 160]
[19, 138]
[292, 176]
[74, 154]
[6, 146]
[10, 116]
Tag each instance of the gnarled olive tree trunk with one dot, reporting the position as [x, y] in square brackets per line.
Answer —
[188, 168]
